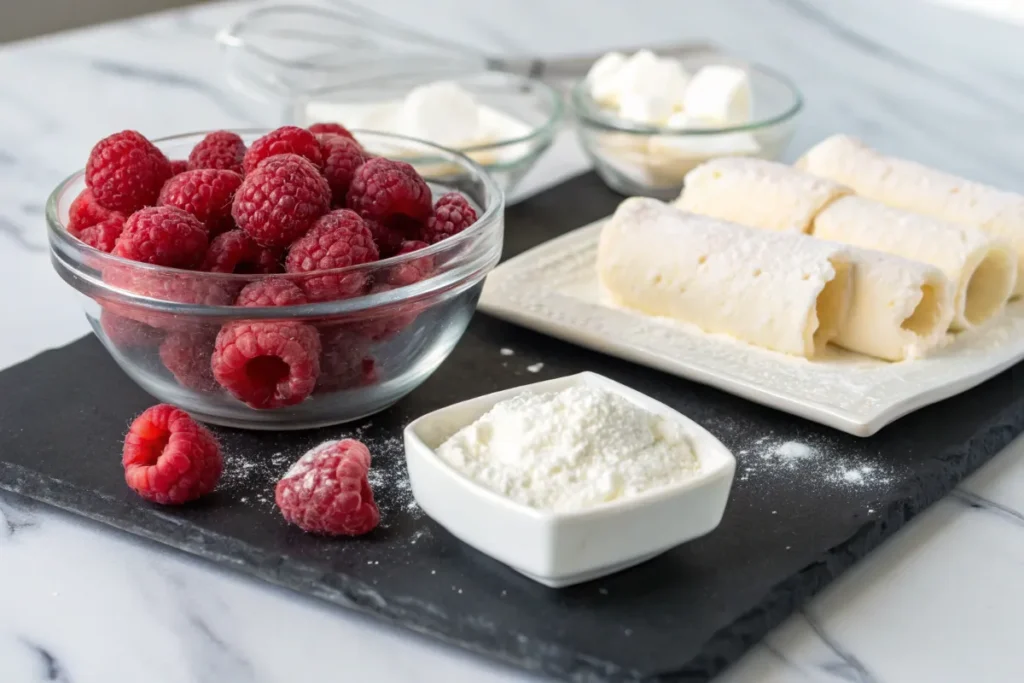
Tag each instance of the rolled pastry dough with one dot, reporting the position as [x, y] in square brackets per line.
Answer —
[780, 291]
[899, 309]
[915, 187]
[982, 268]
[759, 193]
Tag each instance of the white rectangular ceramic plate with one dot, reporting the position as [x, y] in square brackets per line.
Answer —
[553, 288]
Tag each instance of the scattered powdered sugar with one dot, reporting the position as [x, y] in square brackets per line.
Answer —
[571, 449]
[506, 352]
[535, 368]
[817, 465]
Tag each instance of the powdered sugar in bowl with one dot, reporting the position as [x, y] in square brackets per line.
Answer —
[659, 482]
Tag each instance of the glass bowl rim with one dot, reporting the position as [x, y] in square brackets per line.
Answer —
[588, 112]
[490, 217]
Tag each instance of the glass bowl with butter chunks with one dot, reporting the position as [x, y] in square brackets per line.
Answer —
[645, 121]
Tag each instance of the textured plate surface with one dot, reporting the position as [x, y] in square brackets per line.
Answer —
[553, 288]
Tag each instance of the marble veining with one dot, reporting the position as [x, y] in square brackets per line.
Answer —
[82, 604]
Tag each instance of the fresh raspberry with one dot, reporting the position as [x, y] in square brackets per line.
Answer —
[274, 291]
[413, 271]
[221, 149]
[187, 356]
[267, 364]
[126, 334]
[126, 171]
[206, 194]
[235, 252]
[383, 189]
[389, 321]
[452, 215]
[388, 240]
[170, 458]
[342, 156]
[278, 201]
[178, 166]
[163, 236]
[93, 224]
[327, 491]
[175, 286]
[331, 129]
[284, 140]
[345, 362]
[337, 240]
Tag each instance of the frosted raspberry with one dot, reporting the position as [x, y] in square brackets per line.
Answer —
[280, 200]
[271, 292]
[327, 491]
[206, 194]
[452, 214]
[383, 190]
[125, 172]
[267, 364]
[221, 149]
[163, 236]
[337, 240]
[284, 140]
[342, 156]
[235, 252]
[187, 356]
[169, 458]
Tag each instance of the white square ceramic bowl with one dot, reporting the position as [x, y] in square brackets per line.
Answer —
[563, 548]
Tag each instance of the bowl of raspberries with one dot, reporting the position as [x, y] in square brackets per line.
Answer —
[281, 279]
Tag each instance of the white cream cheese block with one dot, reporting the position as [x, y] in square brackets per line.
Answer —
[761, 194]
[780, 291]
[982, 268]
[915, 187]
[719, 92]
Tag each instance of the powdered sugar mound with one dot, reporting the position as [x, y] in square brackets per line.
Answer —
[571, 449]
[793, 450]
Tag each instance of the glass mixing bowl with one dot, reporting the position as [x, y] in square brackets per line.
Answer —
[161, 324]
[636, 159]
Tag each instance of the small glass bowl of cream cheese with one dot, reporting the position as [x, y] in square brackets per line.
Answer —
[646, 121]
[501, 121]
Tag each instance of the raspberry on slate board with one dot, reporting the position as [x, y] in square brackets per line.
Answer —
[327, 491]
[170, 458]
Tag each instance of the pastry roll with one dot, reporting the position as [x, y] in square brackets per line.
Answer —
[780, 291]
[915, 187]
[762, 194]
[983, 269]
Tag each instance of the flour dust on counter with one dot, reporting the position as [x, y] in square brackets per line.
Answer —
[769, 459]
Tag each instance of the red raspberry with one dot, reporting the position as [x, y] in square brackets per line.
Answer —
[187, 356]
[126, 171]
[93, 224]
[221, 149]
[342, 156]
[164, 236]
[178, 166]
[345, 362]
[206, 194]
[274, 291]
[267, 364]
[452, 215]
[388, 322]
[180, 287]
[327, 491]
[388, 240]
[103, 235]
[413, 271]
[337, 240]
[383, 189]
[126, 334]
[284, 140]
[332, 129]
[235, 252]
[170, 458]
[278, 201]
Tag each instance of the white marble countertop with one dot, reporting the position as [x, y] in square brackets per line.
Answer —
[80, 603]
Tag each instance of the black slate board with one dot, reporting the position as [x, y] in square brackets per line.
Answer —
[682, 616]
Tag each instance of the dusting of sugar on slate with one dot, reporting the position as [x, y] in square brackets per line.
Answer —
[535, 368]
[506, 352]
